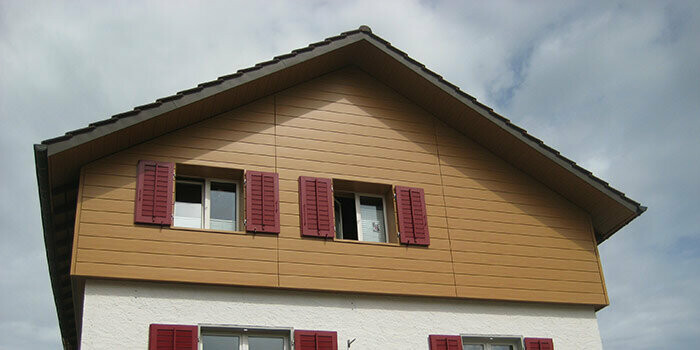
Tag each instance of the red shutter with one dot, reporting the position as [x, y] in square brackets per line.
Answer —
[413, 218]
[445, 342]
[172, 337]
[539, 344]
[262, 202]
[315, 340]
[154, 193]
[316, 207]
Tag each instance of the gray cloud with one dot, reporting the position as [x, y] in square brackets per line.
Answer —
[612, 85]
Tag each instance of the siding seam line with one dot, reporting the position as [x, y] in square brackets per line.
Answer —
[444, 202]
[274, 131]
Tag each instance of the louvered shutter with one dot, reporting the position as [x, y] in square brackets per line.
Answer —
[262, 202]
[445, 342]
[539, 344]
[154, 193]
[172, 337]
[412, 215]
[315, 340]
[316, 207]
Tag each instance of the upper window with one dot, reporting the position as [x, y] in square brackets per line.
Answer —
[207, 198]
[206, 203]
[361, 212]
[360, 217]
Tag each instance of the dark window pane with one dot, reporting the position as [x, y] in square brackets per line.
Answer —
[265, 343]
[223, 206]
[220, 342]
[188, 192]
[349, 217]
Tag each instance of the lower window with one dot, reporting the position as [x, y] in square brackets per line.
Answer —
[491, 343]
[243, 339]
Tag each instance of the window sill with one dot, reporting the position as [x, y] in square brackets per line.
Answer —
[391, 244]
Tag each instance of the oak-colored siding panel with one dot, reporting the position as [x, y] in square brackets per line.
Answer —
[330, 259]
[526, 272]
[523, 261]
[151, 273]
[176, 248]
[378, 274]
[504, 293]
[495, 232]
[365, 286]
[176, 261]
[354, 149]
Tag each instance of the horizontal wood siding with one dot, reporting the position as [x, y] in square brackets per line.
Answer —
[495, 233]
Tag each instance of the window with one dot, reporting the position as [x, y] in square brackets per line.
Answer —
[360, 217]
[363, 212]
[491, 343]
[244, 339]
[206, 203]
[207, 198]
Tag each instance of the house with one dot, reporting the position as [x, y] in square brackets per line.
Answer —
[341, 196]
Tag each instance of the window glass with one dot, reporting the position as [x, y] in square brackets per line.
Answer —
[223, 206]
[265, 343]
[372, 216]
[188, 204]
[501, 347]
[345, 217]
[220, 342]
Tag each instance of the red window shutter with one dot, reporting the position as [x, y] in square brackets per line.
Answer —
[445, 342]
[412, 215]
[154, 193]
[316, 207]
[262, 202]
[539, 344]
[315, 340]
[172, 337]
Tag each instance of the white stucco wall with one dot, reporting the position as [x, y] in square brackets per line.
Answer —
[116, 315]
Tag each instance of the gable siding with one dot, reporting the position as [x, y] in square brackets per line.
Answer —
[495, 233]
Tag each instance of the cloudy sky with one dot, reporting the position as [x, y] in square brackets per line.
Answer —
[612, 85]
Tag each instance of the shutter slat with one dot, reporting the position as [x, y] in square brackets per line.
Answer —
[315, 340]
[412, 215]
[539, 344]
[316, 207]
[172, 337]
[445, 342]
[154, 192]
[262, 202]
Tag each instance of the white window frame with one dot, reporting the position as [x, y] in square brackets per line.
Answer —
[488, 340]
[243, 332]
[360, 237]
[206, 200]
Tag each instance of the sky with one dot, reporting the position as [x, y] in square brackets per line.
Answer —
[613, 85]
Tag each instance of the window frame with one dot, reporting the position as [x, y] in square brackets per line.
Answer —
[358, 214]
[205, 182]
[243, 332]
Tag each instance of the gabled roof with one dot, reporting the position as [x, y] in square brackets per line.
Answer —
[59, 159]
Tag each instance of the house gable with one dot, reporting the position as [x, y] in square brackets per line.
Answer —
[495, 233]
